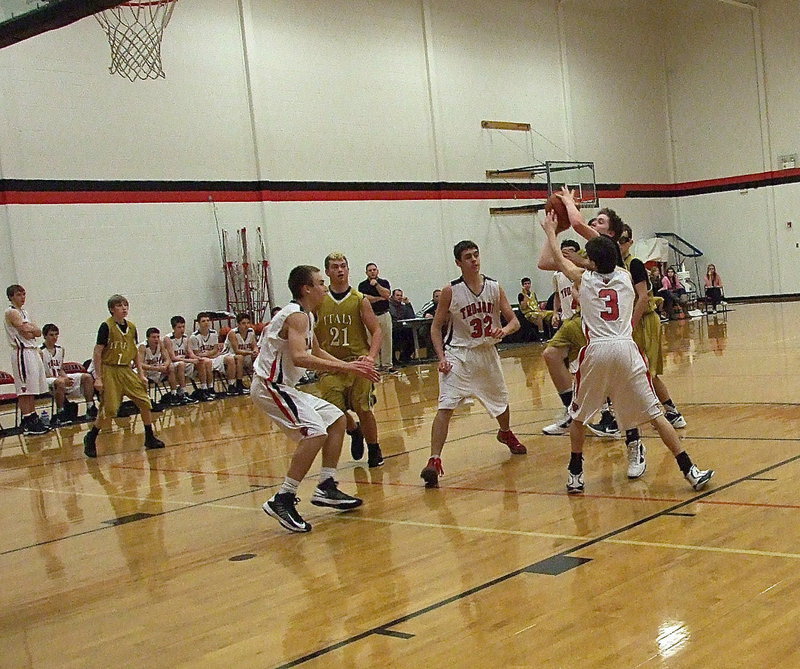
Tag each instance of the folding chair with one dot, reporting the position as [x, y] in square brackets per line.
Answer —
[7, 396]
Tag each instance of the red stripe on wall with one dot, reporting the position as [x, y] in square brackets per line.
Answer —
[520, 193]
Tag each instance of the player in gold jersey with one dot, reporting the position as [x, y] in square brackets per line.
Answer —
[346, 324]
[113, 355]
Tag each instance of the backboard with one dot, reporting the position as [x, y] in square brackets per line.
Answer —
[21, 19]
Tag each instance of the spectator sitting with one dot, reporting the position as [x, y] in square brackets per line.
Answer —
[713, 283]
[665, 309]
[534, 312]
[671, 284]
[429, 309]
[402, 337]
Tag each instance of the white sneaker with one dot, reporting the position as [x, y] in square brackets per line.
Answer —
[636, 460]
[561, 426]
[699, 478]
[574, 482]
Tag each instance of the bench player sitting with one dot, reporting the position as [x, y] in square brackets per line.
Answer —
[186, 364]
[157, 367]
[241, 341]
[65, 387]
[204, 343]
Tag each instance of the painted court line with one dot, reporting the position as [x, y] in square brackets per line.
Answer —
[571, 537]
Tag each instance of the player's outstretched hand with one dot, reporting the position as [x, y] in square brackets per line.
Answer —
[445, 366]
[549, 222]
[566, 194]
[365, 369]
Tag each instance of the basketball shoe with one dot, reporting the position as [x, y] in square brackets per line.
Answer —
[33, 425]
[574, 482]
[607, 428]
[281, 506]
[151, 442]
[327, 494]
[561, 426]
[431, 472]
[636, 459]
[90, 444]
[698, 478]
[374, 457]
[676, 418]
[356, 443]
[508, 438]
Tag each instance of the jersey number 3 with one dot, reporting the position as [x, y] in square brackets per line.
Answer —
[609, 296]
[480, 327]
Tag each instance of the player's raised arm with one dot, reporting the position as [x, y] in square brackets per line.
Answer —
[576, 219]
[572, 271]
[547, 261]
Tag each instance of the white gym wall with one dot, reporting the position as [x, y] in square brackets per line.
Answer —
[391, 91]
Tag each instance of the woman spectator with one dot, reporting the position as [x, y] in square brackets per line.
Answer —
[713, 283]
[671, 284]
[665, 308]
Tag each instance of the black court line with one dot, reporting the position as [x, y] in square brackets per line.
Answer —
[501, 579]
[761, 478]
[395, 634]
[685, 515]
[124, 520]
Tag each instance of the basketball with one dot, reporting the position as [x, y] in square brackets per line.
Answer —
[555, 203]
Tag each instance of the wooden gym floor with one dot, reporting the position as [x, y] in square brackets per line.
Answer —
[165, 559]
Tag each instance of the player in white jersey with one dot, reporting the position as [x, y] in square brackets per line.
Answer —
[157, 366]
[469, 365]
[187, 365]
[611, 365]
[241, 341]
[27, 367]
[204, 343]
[65, 387]
[289, 348]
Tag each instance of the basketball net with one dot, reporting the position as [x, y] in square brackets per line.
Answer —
[134, 31]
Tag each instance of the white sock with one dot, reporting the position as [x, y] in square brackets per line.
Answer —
[203, 386]
[327, 473]
[289, 485]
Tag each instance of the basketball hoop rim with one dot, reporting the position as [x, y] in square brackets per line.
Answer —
[146, 4]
